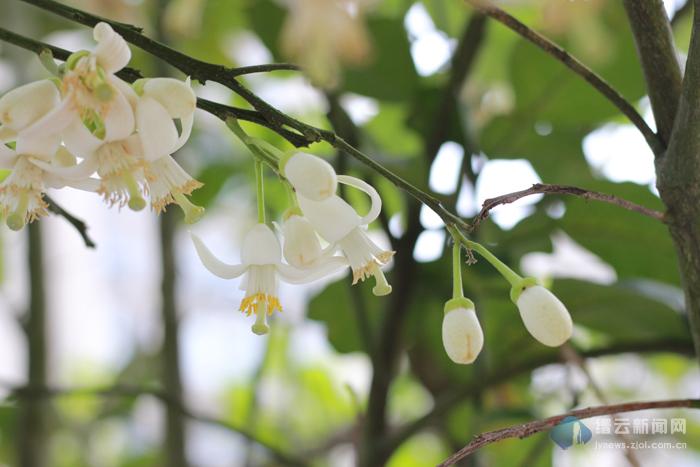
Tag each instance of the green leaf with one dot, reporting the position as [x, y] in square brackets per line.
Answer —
[635, 245]
[390, 75]
[619, 312]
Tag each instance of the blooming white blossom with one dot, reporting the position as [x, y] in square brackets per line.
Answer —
[25, 146]
[340, 225]
[462, 335]
[311, 176]
[161, 102]
[302, 248]
[319, 35]
[261, 257]
[544, 315]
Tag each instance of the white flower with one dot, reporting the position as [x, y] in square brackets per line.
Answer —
[545, 317]
[311, 176]
[338, 223]
[162, 101]
[302, 248]
[93, 98]
[319, 35]
[261, 257]
[462, 336]
[24, 113]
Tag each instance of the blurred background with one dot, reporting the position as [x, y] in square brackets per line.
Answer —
[134, 330]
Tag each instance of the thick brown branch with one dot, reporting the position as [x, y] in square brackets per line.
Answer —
[576, 66]
[657, 53]
[539, 188]
[528, 429]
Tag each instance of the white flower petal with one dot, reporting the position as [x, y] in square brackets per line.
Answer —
[545, 316]
[156, 129]
[24, 105]
[52, 123]
[301, 245]
[213, 264]
[462, 335]
[79, 140]
[176, 96]
[44, 147]
[323, 268]
[119, 121]
[376, 206]
[126, 89]
[261, 246]
[187, 123]
[76, 172]
[311, 176]
[332, 218]
[112, 51]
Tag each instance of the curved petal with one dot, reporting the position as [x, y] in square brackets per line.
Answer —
[88, 184]
[44, 147]
[112, 51]
[213, 264]
[187, 123]
[325, 267]
[53, 122]
[119, 120]
[79, 140]
[7, 134]
[126, 89]
[376, 207]
[176, 96]
[22, 106]
[75, 172]
[156, 129]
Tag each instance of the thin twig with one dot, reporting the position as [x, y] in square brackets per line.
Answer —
[266, 68]
[576, 66]
[126, 391]
[79, 224]
[540, 188]
[530, 428]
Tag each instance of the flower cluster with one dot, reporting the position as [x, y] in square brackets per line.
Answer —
[318, 213]
[61, 131]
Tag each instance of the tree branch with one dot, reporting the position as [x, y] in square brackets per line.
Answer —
[539, 188]
[528, 429]
[125, 391]
[657, 53]
[79, 224]
[678, 182]
[602, 86]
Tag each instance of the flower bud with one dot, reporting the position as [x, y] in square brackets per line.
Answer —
[544, 316]
[301, 245]
[24, 105]
[461, 332]
[311, 176]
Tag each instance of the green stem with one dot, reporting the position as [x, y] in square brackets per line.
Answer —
[260, 191]
[457, 290]
[511, 276]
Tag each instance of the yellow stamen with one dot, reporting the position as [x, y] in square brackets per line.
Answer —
[250, 304]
